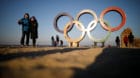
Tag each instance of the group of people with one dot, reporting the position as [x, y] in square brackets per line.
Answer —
[29, 29]
[57, 41]
[127, 40]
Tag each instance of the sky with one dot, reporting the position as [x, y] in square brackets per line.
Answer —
[46, 10]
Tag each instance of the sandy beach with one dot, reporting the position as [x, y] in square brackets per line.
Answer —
[65, 62]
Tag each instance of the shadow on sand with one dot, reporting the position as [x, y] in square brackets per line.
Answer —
[113, 63]
[6, 57]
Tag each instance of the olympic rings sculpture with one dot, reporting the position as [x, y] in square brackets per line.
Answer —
[91, 26]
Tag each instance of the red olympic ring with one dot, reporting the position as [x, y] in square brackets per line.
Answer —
[113, 8]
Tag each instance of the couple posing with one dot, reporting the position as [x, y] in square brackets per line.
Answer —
[29, 27]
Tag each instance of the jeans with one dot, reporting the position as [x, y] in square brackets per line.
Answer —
[34, 41]
[27, 34]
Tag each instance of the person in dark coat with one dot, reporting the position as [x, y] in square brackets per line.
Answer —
[117, 41]
[131, 39]
[25, 29]
[57, 40]
[61, 43]
[53, 41]
[34, 29]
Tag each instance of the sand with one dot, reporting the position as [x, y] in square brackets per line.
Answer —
[65, 62]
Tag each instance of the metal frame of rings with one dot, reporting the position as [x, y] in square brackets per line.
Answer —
[91, 26]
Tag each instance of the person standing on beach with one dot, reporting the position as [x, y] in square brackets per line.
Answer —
[131, 39]
[34, 29]
[61, 43]
[53, 41]
[125, 40]
[57, 40]
[117, 41]
[25, 29]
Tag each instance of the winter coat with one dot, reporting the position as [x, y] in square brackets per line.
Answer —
[34, 29]
[25, 24]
